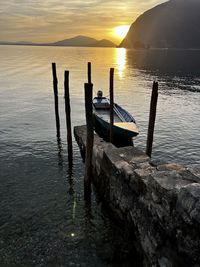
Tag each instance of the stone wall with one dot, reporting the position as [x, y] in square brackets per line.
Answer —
[162, 203]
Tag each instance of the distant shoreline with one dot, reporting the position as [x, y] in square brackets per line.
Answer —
[81, 46]
[77, 41]
[58, 45]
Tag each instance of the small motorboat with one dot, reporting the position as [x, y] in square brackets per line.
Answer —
[124, 126]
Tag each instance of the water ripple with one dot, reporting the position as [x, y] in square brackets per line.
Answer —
[44, 220]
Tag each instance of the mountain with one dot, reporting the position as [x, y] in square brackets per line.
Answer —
[80, 40]
[173, 24]
[16, 43]
[84, 41]
[104, 43]
[76, 41]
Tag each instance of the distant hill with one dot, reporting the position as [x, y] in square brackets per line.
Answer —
[82, 41]
[104, 43]
[174, 24]
[16, 43]
[76, 41]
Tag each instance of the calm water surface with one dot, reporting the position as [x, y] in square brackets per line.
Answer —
[43, 218]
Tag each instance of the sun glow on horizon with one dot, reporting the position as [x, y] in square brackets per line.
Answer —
[121, 31]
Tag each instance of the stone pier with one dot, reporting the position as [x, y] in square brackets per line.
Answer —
[161, 203]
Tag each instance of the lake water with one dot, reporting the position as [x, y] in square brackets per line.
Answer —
[44, 220]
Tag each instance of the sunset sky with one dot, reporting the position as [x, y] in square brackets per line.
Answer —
[53, 20]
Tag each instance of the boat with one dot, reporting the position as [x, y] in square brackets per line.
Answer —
[124, 126]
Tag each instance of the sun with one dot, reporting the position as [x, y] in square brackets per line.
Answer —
[121, 31]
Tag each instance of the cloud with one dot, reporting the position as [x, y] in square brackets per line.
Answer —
[42, 21]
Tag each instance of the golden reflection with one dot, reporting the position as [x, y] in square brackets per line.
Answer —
[121, 61]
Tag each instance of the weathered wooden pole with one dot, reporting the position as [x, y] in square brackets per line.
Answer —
[111, 103]
[89, 72]
[152, 117]
[68, 116]
[55, 87]
[89, 140]
[60, 156]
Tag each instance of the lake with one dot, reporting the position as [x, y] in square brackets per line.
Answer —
[44, 220]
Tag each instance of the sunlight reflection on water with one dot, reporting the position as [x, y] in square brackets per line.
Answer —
[121, 61]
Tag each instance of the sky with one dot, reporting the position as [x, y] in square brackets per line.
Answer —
[53, 20]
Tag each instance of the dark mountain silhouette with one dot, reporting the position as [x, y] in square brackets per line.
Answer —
[16, 43]
[104, 43]
[174, 24]
[76, 41]
[82, 41]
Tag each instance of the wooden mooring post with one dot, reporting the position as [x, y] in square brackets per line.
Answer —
[111, 103]
[55, 87]
[89, 140]
[152, 117]
[89, 72]
[68, 116]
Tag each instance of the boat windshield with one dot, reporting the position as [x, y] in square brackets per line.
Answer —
[101, 103]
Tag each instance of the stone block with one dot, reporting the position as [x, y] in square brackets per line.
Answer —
[171, 167]
[195, 170]
[162, 201]
[188, 203]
